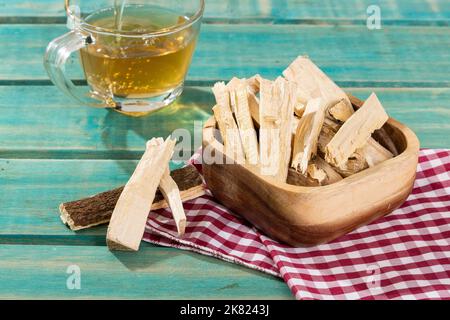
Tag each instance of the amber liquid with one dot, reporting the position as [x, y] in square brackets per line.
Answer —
[137, 67]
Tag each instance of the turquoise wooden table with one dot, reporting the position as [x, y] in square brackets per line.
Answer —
[52, 150]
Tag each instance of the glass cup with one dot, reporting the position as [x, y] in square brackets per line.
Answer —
[135, 54]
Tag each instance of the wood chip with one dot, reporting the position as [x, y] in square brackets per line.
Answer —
[307, 135]
[97, 209]
[355, 132]
[340, 111]
[375, 153]
[319, 173]
[129, 217]
[227, 125]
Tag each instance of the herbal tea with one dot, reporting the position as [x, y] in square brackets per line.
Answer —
[131, 66]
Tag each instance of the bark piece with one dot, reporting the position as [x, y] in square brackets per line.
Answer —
[307, 135]
[355, 132]
[277, 100]
[227, 125]
[129, 217]
[96, 210]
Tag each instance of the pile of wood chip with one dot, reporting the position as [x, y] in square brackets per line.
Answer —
[300, 128]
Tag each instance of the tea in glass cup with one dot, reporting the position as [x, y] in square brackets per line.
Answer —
[135, 56]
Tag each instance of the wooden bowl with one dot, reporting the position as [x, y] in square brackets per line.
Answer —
[305, 216]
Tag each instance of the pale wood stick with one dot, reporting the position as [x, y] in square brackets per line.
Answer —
[227, 125]
[252, 86]
[97, 209]
[313, 83]
[277, 100]
[307, 135]
[244, 121]
[171, 193]
[129, 217]
[355, 132]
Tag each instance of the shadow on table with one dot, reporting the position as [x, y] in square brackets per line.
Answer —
[125, 136]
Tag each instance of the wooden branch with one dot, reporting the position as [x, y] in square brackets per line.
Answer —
[227, 125]
[97, 209]
[239, 101]
[355, 132]
[277, 100]
[129, 217]
[307, 135]
[313, 83]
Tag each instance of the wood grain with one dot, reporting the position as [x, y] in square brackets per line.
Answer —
[39, 272]
[224, 51]
[332, 11]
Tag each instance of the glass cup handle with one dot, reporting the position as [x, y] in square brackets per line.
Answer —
[58, 52]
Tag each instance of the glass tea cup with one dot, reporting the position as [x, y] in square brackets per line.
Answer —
[135, 54]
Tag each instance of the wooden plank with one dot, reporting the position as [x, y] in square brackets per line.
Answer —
[39, 272]
[403, 10]
[61, 129]
[225, 51]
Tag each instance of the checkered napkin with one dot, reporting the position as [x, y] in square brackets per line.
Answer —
[405, 255]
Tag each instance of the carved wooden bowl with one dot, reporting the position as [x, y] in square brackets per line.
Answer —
[304, 216]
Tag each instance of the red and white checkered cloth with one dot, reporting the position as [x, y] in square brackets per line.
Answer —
[405, 255]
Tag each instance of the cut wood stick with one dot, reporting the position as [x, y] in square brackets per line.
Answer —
[355, 132]
[129, 217]
[307, 135]
[313, 83]
[227, 125]
[171, 193]
[247, 132]
[380, 135]
[277, 100]
[252, 86]
[97, 209]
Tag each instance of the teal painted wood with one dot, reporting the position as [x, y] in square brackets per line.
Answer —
[39, 272]
[353, 56]
[40, 122]
[281, 10]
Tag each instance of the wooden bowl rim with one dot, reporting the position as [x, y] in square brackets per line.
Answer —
[412, 147]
